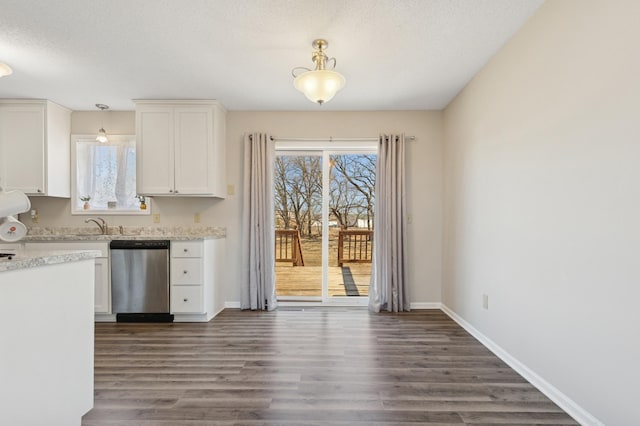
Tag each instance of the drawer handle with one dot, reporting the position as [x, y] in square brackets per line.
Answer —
[186, 250]
[185, 300]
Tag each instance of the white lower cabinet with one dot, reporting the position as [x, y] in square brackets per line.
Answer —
[187, 299]
[195, 269]
[102, 303]
[195, 276]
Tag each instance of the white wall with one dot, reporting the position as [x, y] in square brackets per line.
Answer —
[424, 181]
[542, 202]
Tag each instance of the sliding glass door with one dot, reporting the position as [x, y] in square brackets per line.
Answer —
[324, 223]
[350, 223]
[298, 222]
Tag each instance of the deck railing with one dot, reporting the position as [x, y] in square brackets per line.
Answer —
[355, 246]
[288, 247]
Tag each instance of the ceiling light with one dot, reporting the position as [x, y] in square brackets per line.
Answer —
[102, 134]
[319, 85]
[5, 70]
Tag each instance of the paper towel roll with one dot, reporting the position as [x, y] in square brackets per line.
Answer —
[13, 202]
[11, 229]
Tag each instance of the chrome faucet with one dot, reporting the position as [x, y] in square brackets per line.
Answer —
[104, 229]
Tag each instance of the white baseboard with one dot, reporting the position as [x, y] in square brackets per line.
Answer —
[426, 305]
[563, 401]
[105, 318]
[419, 305]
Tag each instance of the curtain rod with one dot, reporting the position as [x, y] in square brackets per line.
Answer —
[332, 139]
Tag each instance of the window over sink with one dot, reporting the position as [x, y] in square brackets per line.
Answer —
[103, 178]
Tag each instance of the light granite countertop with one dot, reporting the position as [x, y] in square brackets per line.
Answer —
[25, 259]
[176, 233]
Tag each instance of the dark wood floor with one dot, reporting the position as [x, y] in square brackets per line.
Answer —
[319, 366]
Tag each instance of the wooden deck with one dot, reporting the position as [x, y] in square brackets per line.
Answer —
[349, 280]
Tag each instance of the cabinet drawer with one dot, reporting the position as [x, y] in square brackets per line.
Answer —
[186, 271]
[187, 299]
[186, 249]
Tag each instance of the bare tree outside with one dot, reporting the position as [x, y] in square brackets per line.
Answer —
[280, 188]
[298, 192]
[352, 193]
[308, 182]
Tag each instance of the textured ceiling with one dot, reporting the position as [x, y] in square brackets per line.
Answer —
[395, 54]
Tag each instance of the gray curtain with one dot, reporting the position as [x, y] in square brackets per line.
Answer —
[389, 289]
[258, 277]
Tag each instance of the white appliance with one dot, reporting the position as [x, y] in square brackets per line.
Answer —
[12, 203]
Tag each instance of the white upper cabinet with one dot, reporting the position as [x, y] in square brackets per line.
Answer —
[35, 147]
[180, 148]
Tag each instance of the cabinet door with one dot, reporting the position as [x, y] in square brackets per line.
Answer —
[193, 150]
[154, 151]
[102, 304]
[22, 148]
[58, 151]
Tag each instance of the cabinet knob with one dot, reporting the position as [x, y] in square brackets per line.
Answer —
[186, 250]
[185, 300]
[38, 190]
[184, 272]
[171, 190]
[176, 191]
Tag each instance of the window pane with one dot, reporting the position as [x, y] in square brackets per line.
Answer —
[106, 174]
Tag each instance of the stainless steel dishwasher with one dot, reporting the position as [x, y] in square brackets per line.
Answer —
[140, 280]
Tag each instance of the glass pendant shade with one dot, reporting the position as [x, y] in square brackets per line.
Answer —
[320, 85]
[5, 70]
[102, 136]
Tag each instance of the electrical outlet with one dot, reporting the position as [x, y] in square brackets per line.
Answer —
[35, 218]
[196, 218]
[485, 301]
[231, 190]
[156, 218]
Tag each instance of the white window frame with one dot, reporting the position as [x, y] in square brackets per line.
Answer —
[75, 139]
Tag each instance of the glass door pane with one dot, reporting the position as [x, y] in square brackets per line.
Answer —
[350, 216]
[298, 223]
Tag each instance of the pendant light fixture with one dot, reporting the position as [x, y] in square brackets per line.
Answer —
[321, 84]
[5, 70]
[102, 134]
